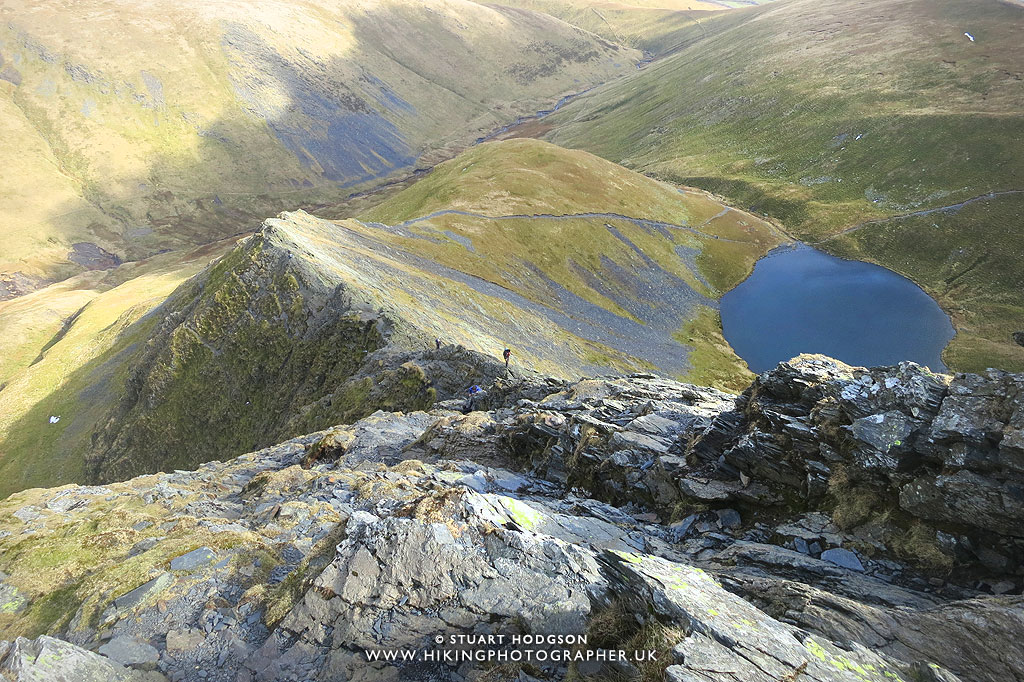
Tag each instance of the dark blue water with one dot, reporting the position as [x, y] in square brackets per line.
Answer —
[800, 300]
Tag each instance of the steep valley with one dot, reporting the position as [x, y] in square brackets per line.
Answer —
[130, 131]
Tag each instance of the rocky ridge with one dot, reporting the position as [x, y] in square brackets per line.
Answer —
[813, 528]
[341, 318]
[283, 310]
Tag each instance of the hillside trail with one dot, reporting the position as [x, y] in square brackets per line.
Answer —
[917, 214]
[646, 223]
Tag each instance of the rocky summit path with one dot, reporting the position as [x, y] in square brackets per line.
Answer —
[831, 523]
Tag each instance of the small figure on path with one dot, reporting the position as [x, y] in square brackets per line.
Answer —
[437, 342]
[507, 355]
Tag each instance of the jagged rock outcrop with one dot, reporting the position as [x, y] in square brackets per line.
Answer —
[906, 464]
[939, 457]
[563, 509]
[618, 438]
[50, 659]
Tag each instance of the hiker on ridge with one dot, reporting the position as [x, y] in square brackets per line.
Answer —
[507, 355]
[472, 393]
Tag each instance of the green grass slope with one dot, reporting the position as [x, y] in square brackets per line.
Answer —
[656, 26]
[65, 357]
[826, 115]
[527, 181]
[132, 128]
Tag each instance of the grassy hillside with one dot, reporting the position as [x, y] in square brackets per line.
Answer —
[65, 356]
[527, 215]
[130, 128]
[554, 207]
[524, 176]
[655, 26]
[828, 114]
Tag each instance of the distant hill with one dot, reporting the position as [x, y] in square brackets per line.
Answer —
[132, 128]
[554, 224]
[862, 127]
[655, 26]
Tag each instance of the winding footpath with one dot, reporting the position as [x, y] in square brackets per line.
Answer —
[645, 223]
[917, 214]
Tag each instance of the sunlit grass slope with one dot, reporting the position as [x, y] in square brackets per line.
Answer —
[827, 114]
[65, 349]
[534, 179]
[656, 26]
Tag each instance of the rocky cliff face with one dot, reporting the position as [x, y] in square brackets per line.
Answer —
[812, 528]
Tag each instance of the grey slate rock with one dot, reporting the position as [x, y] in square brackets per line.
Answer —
[193, 560]
[144, 546]
[429, 552]
[128, 650]
[681, 529]
[729, 518]
[11, 599]
[153, 587]
[843, 557]
[26, 514]
[47, 659]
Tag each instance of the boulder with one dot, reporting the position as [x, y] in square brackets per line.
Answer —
[842, 557]
[722, 633]
[968, 498]
[190, 561]
[47, 659]
[130, 651]
[147, 589]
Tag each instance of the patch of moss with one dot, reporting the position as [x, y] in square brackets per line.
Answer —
[525, 516]
[713, 362]
[853, 502]
[53, 612]
[919, 546]
[617, 627]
